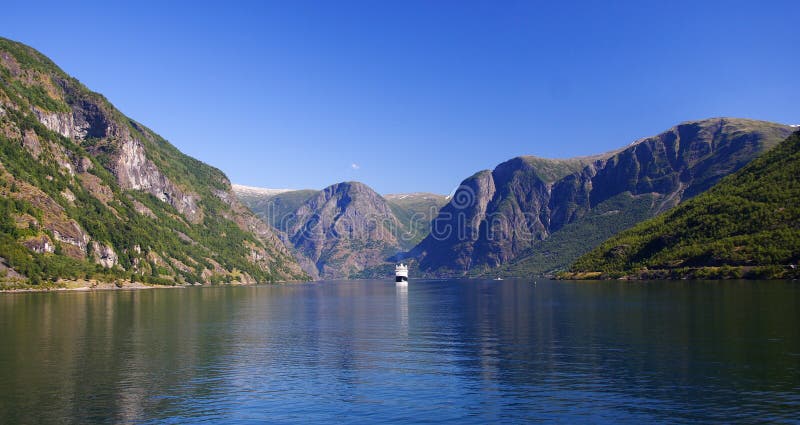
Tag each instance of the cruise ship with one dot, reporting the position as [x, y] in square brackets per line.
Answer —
[401, 273]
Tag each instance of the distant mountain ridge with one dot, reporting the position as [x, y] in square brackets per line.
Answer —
[416, 211]
[347, 229]
[242, 190]
[88, 193]
[508, 219]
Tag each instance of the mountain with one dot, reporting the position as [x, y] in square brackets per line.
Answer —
[86, 192]
[747, 225]
[346, 230]
[251, 192]
[276, 207]
[532, 215]
[416, 211]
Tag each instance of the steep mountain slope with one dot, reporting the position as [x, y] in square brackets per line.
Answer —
[88, 192]
[345, 229]
[510, 216]
[563, 246]
[747, 225]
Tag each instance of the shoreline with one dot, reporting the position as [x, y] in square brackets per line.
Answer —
[85, 286]
[760, 272]
[93, 285]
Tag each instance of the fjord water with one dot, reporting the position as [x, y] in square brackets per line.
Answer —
[460, 351]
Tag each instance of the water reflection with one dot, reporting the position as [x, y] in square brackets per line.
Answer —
[449, 351]
[96, 355]
[402, 308]
[665, 342]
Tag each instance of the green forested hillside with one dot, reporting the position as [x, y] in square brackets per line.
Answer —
[87, 193]
[748, 225]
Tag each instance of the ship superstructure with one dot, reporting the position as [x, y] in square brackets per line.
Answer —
[401, 273]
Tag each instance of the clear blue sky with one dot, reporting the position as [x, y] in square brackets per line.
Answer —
[416, 96]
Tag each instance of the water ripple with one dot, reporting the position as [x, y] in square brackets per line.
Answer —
[440, 352]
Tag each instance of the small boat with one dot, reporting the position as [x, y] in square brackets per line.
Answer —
[401, 274]
[498, 278]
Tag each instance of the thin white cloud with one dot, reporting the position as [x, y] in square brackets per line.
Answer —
[354, 166]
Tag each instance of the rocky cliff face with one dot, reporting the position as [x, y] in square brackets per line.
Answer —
[497, 217]
[347, 229]
[134, 171]
[344, 229]
[101, 187]
[90, 117]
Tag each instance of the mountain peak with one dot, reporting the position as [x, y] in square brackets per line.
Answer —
[344, 229]
[347, 186]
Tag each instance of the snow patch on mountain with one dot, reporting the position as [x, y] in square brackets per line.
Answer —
[252, 190]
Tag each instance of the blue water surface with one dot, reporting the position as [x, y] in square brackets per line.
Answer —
[436, 351]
